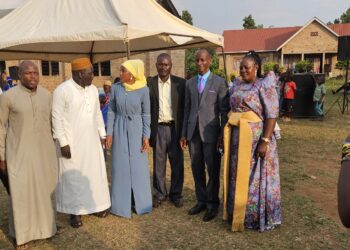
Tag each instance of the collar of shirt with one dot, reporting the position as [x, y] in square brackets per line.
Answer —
[161, 82]
[28, 90]
[205, 76]
[77, 85]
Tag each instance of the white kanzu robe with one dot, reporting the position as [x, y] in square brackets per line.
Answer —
[77, 121]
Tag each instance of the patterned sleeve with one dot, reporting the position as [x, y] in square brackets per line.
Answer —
[235, 82]
[269, 98]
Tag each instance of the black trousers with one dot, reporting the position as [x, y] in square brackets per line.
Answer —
[167, 144]
[205, 155]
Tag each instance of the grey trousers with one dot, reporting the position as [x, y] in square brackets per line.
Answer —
[205, 156]
[167, 144]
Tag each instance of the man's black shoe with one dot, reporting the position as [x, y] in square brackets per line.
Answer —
[197, 209]
[210, 214]
[178, 202]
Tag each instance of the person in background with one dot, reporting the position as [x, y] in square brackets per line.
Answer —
[28, 157]
[281, 83]
[318, 98]
[80, 134]
[116, 80]
[252, 193]
[104, 100]
[128, 133]
[107, 85]
[289, 95]
[104, 105]
[167, 94]
[4, 83]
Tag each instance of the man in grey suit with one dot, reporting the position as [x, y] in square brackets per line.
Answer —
[206, 108]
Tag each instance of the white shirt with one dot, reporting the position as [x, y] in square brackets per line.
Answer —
[165, 109]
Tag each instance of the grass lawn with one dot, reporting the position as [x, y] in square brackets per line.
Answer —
[309, 164]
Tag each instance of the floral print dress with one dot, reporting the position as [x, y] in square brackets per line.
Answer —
[263, 210]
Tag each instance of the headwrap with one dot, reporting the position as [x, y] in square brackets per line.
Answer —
[107, 83]
[81, 63]
[137, 69]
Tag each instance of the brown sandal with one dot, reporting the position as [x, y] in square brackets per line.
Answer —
[102, 214]
[75, 221]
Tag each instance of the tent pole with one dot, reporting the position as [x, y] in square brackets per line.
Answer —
[127, 44]
[91, 51]
[224, 60]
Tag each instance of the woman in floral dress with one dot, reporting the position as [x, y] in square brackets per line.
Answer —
[261, 209]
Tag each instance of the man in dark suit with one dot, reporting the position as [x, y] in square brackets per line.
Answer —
[206, 108]
[167, 94]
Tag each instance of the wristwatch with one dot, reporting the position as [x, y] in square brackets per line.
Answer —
[265, 139]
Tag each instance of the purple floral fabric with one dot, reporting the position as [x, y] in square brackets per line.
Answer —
[263, 210]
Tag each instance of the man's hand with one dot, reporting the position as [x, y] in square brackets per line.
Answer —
[3, 167]
[103, 142]
[109, 140]
[183, 143]
[65, 152]
[145, 145]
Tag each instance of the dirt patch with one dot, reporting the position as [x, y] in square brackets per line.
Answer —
[320, 185]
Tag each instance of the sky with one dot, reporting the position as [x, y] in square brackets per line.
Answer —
[219, 15]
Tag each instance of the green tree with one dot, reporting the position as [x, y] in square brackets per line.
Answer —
[190, 60]
[345, 17]
[303, 66]
[336, 21]
[249, 22]
[190, 54]
[269, 66]
[187, 17]
[341, 65]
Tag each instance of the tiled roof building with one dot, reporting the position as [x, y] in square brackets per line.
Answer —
[315, 41]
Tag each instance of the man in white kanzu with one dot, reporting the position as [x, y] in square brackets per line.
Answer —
[79, 132]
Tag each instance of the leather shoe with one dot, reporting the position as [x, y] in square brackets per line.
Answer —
[156, 202]
[210, 214]
[197, 209]
[178, 202]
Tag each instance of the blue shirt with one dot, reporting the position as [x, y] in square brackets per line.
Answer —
[205, 76]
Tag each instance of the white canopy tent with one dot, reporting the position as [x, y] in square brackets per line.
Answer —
[61, 30]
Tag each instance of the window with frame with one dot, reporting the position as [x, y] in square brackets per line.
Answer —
[50, 68]
[102, 68]
[2, 66]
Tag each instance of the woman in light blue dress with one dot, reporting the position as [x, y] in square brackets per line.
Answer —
[128, 132]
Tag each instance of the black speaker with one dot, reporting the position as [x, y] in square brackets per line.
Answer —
[344, 48]
[14, 72]
[303, 106]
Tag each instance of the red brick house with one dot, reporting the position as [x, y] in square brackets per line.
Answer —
[315, 41]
